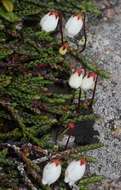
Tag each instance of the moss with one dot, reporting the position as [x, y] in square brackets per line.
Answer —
[35, 98]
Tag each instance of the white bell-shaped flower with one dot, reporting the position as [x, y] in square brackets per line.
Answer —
[75, 171]
[88, 81]
[49, 21]
[75, 79]
[51, 172]
[74, 25]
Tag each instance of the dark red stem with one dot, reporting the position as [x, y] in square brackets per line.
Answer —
[79, 99]
[61, 28]
[94, 91]
[85, 34]
[66, 146]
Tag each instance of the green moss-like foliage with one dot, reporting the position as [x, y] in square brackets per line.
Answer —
[35, 97]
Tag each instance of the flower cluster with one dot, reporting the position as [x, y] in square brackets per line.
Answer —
[74, 172]
[82, 79]
[73, 26]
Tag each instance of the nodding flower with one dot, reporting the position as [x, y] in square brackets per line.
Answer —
[51, 172]
[88, 81]
[75, 171]
[76, 77]
[49, 21]
[74, 25]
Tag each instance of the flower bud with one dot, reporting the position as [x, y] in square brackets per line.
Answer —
[64, 48]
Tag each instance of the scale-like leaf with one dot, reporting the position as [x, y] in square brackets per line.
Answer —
[8, 4]
[9, 16]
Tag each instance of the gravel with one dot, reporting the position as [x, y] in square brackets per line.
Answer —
[105, 46]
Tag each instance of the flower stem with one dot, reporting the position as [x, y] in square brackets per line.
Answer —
[73, 96]
[79, 98]
[94, 91]
[66, 146]
[61, 28]
[85, 34]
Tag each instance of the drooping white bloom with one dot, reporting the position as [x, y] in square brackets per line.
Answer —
[88, 81]
[51, 172]
[75, 79]
[49, 21]
[74, 25]
[75, 171]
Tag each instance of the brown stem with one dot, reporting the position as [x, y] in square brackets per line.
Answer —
[61, 28]
[94, 91]
[66, 146]
[85, 34]
[85, 96]
[79, 98]
[73, 97]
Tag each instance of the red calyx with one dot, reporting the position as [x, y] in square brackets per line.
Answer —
[71, 125]
[65, 45]
[92, 74]
[56, 162]
[56, 13]
[79, 16]
[80, 71]
[82, 162]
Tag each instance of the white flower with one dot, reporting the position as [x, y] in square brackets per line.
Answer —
[75, 171]
[74, 25]
[51, 172]
[88, 81]
[75, 79]
[49, 21]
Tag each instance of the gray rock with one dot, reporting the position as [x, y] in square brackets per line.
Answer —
[105, 46]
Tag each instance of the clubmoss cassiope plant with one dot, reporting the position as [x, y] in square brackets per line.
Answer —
[37, 106]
